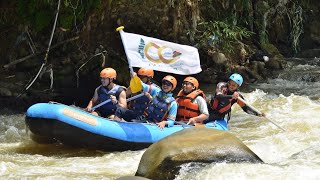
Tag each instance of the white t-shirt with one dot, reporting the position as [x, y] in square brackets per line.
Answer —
[203, 108]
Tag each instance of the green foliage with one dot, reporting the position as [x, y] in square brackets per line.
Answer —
[221, 35]
[237, 12]
[34, 12]
[40, 14]
[66, 21]
[41, 20]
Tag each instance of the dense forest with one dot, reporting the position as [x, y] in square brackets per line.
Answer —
[53, 50]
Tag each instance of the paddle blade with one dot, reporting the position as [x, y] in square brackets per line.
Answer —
[135, 84]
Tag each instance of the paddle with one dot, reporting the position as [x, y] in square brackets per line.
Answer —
[182, 123]
[259, 112]
[135, 82]
[107, 101]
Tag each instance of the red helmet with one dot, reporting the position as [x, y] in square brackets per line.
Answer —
[192, 80]
[172, 80]
[108, 73]
[146, 72]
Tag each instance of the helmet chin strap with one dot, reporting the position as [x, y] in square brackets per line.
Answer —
[108, 83]
[171, 90]
[190, 91]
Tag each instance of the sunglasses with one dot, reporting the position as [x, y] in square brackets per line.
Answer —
[104, 79]
[167, 83]
[141, 76]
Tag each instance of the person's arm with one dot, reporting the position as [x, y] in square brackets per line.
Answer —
[247, 109]
[152, 91]
[172, 113]
[221, 88]
[145, 87]
[93, 100]
[128, 92]
[122, 102]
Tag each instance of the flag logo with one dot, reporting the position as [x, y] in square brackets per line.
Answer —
[158, 54]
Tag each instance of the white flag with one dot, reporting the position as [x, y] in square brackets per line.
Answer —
[156, 54]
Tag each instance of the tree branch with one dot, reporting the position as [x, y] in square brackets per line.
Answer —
[38, 53]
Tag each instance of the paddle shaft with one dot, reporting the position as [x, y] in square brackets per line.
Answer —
[107, 101]
[259, 112]
[182, 123]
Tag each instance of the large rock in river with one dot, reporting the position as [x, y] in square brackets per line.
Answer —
[162, 160]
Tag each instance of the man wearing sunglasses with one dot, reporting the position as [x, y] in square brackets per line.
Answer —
[192, 106]
[162, 107]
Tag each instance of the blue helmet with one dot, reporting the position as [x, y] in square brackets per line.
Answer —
[237, 78]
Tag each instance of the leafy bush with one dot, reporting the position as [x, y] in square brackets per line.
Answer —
[40, 14]
[221, 35]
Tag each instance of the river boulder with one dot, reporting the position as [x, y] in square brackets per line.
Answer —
[132, 178]
[162, 160]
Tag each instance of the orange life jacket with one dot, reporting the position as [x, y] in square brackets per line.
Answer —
[225, 107]
[221, 109]
[186, 108]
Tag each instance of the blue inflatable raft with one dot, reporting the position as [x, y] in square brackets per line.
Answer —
[73, 126]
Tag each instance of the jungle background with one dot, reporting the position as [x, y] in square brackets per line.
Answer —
[231, 36]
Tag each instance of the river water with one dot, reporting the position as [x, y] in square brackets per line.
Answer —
[292, 101]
